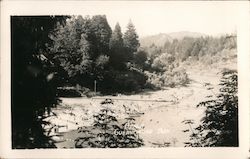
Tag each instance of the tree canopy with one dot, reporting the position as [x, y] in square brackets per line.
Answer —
[117, 50]
[131, 41]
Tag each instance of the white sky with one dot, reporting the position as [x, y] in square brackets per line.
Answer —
[150, 18]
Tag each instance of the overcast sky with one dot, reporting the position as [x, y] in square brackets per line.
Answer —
[150, 18]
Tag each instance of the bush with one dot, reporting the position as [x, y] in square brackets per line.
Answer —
[163, 62]
[68, 92]
[123, 81]
[108, 132]
[154, 80]
[173, 78]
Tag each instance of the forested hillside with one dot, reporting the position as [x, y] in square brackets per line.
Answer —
[85, 50]
[160, 39]
[195, 47]
[189, 51]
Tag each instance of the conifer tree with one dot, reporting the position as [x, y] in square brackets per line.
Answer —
[33, 83]
[117, 54]
[100, 36]
[131, 41]
[220, 124]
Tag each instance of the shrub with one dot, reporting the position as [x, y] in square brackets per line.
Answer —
[176, 77]
[173, 78]
[108, 132]
[68, 92]
[162, 62]
[154, 80]
[123, 81]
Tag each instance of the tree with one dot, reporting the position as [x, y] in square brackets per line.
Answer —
[101, 64]
[81, 49]
[100, 33]
[71, 48]
[116, 40]
[131, 41]
[100, 36]
[153, 51]
[140, 59]
[163, 62]
[220, 124]
[33, 84]
[108, 132]
[116, 46]
[196, 49]
[185, 47]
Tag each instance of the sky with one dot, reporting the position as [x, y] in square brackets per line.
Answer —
[149, 18]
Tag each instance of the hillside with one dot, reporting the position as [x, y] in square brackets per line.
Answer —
[162, 38]
[158, 40]
[182, 34]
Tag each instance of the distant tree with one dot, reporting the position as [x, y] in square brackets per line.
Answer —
[185, 47]
[163, 62]
[116, 39]
[153, 51]
[131, 41]
[117, 51]
[100, 36]
[174, 47]
[167, 47]
[196, 49]
[230, 42]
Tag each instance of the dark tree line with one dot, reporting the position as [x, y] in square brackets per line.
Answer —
[86, 49]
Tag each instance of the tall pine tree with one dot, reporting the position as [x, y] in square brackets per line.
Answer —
[131, 41]
[99, 40]
[116, 40]
[101, 33]
[116, 45]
